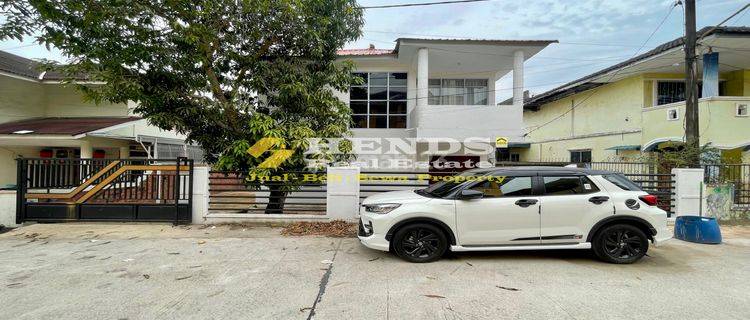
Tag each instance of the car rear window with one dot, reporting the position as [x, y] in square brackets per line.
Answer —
[568, 185]
[622, 182]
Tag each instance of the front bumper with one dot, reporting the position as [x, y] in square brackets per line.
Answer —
[369, 238]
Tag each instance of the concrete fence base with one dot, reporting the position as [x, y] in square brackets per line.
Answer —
[8, 208]
[342, 201]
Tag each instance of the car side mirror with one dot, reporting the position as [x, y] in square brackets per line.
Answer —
[469, 194]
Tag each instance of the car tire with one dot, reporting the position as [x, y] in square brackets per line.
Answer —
[420, 243]
[620, 244]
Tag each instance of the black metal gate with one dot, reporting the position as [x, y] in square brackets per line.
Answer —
[59, 190]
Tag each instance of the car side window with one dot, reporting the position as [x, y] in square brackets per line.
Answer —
[568, 185]
[504, 187]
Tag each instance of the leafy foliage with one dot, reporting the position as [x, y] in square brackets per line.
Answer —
[224, 72]
[683, 156]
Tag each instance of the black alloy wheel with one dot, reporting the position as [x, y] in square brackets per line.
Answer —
[420, 243]
[620, 243]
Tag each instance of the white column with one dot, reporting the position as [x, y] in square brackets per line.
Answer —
[87, 150]
[342, 193]
[423, 76]
[200, 195]
[518, 58]
[687, 191]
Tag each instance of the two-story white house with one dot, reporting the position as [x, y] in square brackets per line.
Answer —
[430, 91]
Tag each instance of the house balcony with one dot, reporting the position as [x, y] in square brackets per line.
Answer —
[468, 121]
[724, 123]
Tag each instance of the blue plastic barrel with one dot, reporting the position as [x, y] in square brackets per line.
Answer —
[697, 229]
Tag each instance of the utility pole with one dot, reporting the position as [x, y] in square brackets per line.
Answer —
[692, 136]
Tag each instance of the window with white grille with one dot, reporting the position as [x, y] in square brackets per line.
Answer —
[458, 91]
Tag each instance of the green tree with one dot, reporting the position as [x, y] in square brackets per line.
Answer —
[224, 72]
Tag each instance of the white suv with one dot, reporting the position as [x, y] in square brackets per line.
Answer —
[520, 208]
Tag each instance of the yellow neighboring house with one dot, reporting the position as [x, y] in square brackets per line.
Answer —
[637, 106]
[42, 118]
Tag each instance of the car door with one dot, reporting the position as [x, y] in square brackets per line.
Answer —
[570, 205]
[508, 214]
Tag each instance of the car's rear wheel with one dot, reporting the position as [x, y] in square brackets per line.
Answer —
[620, 243]
[420, 242]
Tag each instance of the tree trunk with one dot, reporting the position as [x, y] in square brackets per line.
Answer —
[276, 200]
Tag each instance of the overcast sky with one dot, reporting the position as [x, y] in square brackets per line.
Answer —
[593, 34]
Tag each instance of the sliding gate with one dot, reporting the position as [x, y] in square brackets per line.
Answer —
[58, 190]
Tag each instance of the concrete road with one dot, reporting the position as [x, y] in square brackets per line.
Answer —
[121, 271]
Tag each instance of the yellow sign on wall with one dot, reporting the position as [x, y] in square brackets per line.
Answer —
[501, 142]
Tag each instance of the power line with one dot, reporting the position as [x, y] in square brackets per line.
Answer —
[671, 8]
[19, 47]
[719, 25]
[419, 4]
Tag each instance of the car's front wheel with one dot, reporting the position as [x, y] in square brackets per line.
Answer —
[420, 242]
[620, 243]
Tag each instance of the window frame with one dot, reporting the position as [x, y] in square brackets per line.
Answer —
[465, 93]
[655, 90]
[676, 112]
[580, 151]
[737, 110]
[543, 188]
[470, 185]
[368, 101]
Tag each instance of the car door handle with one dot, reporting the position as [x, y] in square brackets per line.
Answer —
[599, 199]
[526, 202]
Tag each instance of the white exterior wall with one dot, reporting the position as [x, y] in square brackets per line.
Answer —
[8, 208]
[442, 121]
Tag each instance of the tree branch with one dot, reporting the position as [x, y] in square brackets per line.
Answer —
[213, 79]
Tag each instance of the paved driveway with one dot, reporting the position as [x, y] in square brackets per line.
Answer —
[114, 271]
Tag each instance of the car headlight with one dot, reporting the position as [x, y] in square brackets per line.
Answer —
[381, 208]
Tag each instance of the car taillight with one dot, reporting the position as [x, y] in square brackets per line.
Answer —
[649, 199]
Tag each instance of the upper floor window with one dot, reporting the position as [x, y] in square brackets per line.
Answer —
[458, 92]
[380, 101]
[672, 91]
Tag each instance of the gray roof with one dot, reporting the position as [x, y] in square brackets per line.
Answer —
[520, 43]
[27, 68]
[583, 83]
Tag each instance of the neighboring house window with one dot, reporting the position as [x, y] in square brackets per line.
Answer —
[674, 91]
[580, 156]
[457, 92]
[742, 110]
[380, 102]
[503, 154]
[673, 114]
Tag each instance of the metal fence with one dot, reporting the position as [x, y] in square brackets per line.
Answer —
[373, 182]
[104, 189]
[736, 174]
[289, 192]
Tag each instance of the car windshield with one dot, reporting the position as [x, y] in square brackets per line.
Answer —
[622, 182]
[449, 184]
